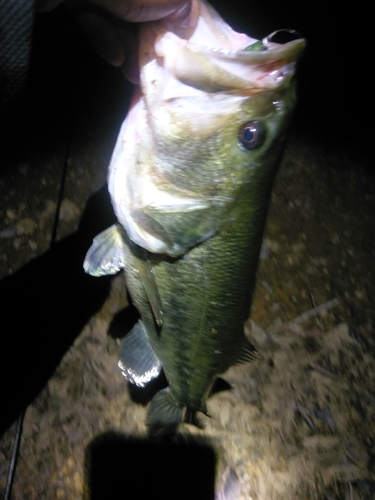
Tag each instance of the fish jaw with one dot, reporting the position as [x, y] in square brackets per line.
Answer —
[181, 188]
[190, 91]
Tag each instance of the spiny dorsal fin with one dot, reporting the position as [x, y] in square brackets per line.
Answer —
[246, 352]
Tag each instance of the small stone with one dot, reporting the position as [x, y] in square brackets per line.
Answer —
[276, 306]
[17, 243]
[50, 207]
[60, 493]
[33, 245]
[26, 226]
[11, 214]
[10, 232]
[360, 294]
[23, 167]
[68, 211]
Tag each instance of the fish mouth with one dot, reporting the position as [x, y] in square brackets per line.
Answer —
[193, 92]
[264, 50]
[215, 58]
[214, 70]
[246, 64]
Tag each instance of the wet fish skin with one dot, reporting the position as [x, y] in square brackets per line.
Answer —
[190, 261]
[206, 297]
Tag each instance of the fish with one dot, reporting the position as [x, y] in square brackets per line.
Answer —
[190, 180]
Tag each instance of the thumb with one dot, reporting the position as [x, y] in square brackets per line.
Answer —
[184, 20]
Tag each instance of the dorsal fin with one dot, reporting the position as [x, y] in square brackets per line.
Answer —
[246, 352]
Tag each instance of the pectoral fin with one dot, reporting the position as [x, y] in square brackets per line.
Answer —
[106, 254]
[138, 361]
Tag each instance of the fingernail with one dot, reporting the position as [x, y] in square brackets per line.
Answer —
[184, 18]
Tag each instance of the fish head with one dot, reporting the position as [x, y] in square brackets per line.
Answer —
[211, 116]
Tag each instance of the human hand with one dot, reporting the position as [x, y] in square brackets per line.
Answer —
[108, 24]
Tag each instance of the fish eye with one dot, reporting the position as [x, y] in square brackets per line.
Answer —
[251, 135]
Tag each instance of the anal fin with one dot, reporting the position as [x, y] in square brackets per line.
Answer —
[138, 361]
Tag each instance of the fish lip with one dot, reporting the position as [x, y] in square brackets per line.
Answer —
[290, 50]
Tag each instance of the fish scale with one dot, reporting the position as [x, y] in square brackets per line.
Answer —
[190, 180]
[186, 341]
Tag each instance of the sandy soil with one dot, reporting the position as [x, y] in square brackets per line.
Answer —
[297, 424]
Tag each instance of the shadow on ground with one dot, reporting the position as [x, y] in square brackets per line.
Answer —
[120, 466]
[44, 306]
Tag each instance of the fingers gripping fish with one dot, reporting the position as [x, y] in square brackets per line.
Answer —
[190, 179]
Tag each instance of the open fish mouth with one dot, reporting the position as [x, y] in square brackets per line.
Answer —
[189, 90]
[190, 179]
[216, 58]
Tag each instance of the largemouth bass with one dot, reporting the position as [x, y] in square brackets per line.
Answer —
[190, 180]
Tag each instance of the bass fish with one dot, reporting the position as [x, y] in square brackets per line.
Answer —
[190, 180]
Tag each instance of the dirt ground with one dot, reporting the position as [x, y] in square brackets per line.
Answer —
[297, 424]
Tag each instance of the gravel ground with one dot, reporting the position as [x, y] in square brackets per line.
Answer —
[298, 424]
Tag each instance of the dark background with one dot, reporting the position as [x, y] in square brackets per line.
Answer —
[334, 80]
[335, 109]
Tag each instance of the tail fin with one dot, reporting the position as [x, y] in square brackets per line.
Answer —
[164, 414]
